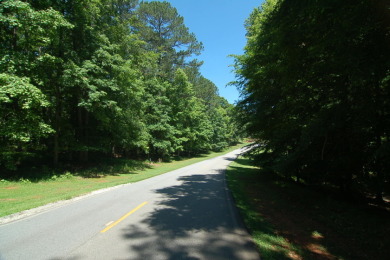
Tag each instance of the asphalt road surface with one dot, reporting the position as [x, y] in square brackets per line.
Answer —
[184, 214]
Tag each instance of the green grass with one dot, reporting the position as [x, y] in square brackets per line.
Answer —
[291, 221]
[16, 196]
[271, 246]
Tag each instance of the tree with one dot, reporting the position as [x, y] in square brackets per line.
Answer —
[220, 114]
[89, 78]
[157, 119]
[192, 126]
[314, 88]
[26, 36]
[164, 31]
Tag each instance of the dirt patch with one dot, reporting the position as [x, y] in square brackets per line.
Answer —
[295, 228]
[293, 222]
[100, 181]
[154, 164]
[11, 188]
[5, 200]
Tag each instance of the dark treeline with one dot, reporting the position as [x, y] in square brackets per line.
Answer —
[315, 85]
[89, 78]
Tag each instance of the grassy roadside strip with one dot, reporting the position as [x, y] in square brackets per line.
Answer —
[16, 196]
[240, 176]
[290, 221]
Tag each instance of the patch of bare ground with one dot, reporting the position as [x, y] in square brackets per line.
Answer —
[154, 164]
[100, 181]
[294, 220]
[294, 226]
[11, 188]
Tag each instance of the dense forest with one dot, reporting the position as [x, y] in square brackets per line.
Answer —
[315, 92]
[84, 79]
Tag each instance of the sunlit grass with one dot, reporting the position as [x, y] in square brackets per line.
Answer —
[16, 196]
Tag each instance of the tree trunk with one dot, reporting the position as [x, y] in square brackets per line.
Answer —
[58, 105]
[55, 150]
[57, 118]
[82, 137]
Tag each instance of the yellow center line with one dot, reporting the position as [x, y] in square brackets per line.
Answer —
[122, 218]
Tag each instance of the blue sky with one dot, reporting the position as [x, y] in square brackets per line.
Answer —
[219, 24]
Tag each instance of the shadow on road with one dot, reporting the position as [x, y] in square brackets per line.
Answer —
[229, 158]
[193, 220]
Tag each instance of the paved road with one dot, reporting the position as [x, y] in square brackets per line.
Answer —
[183, 214]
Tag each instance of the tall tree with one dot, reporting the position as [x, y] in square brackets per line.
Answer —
[314, 82]
[164, 31]
[90, 77]
[26, 38]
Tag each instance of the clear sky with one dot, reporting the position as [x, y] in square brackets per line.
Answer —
[219, 24]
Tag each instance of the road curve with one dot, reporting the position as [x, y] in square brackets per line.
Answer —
[184, 214]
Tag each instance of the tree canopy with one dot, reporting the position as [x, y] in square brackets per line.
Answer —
[315, 91]
[91, 78]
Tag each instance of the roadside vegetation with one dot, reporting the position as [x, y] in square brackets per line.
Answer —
[82, 80]
[291, 221]
[45, 186]
[315, 91]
